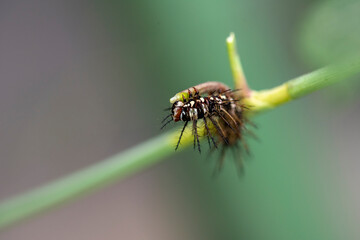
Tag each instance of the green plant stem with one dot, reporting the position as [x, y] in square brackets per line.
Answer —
[301, 86]
[236, 66]
[87, 180]
[153, 151]
[323, 77]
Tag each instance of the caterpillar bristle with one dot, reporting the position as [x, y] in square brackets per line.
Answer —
[222, 107]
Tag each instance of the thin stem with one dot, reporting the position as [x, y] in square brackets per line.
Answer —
[236, 67]
[323, 77]
[90, 179]
[260, 101]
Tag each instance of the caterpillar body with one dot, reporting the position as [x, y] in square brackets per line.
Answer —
[221, 107]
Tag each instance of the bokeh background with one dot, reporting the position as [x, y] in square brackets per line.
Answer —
[83, 80]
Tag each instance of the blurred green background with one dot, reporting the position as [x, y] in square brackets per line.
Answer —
[83, 80]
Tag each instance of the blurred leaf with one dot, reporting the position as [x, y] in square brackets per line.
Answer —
[330, 32]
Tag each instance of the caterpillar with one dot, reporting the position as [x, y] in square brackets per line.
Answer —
[221, 107]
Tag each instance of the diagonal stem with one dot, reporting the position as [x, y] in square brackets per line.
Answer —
[260, 101]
